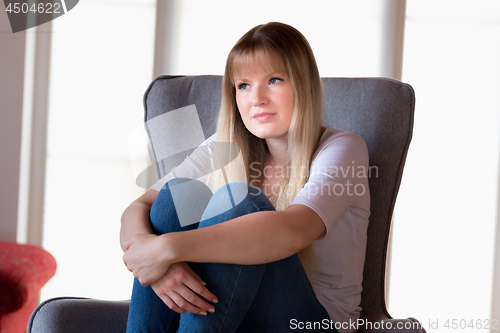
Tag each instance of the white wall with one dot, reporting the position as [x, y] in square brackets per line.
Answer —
[12, 49]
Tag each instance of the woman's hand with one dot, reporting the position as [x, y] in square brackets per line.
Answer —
[181, 289]
[145, 258]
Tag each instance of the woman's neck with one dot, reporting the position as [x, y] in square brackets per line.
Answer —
[278, 151]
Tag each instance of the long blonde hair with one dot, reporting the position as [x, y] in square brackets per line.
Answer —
[286, 49]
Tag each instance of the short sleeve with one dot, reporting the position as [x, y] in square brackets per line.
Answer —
[338, 178]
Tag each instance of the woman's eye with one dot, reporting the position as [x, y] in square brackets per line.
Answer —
[242, 86]
[275, 80]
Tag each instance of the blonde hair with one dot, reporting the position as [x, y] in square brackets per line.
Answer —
[285, 49]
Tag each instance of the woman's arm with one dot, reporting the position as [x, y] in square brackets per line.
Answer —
[256, 238]
[251, 239]
[135, 219]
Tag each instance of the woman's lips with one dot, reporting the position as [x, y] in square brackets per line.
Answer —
[263, 116]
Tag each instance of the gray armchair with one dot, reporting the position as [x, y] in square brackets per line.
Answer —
[380, 110]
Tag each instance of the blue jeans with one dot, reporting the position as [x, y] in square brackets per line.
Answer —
[251, 298]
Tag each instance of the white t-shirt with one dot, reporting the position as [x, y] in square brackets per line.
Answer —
[337, 190]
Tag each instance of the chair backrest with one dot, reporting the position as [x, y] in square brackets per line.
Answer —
[379, 110]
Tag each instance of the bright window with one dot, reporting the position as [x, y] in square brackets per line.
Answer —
[443, 239]
[102, 62]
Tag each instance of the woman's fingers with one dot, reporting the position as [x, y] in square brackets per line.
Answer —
[170, 303]
[189, 297]
[182, 290]
[198, 286]
[182, 299]
[186, 305]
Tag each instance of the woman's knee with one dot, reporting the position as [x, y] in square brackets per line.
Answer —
[234, 200]
[179, 205]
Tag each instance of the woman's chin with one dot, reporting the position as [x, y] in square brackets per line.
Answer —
[267, 135]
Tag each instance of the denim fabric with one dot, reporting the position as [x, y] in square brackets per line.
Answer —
[252, 298]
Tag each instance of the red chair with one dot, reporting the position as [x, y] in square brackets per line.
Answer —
[24, 269]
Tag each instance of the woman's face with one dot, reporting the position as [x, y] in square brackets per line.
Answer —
[265, 100]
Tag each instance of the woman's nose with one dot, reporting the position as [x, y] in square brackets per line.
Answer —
[259, 96]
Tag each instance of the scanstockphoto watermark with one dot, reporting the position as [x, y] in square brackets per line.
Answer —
[327, 324]
[346, 179]
[345, 170]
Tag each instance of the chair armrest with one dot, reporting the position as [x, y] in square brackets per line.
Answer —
[79, 315]
[409, 325]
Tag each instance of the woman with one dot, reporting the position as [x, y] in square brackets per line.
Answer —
[305, 190]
